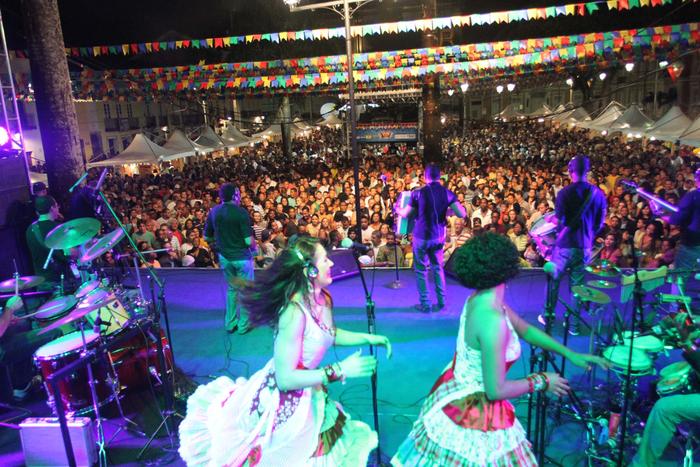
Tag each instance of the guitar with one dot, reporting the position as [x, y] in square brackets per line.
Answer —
[657, 204]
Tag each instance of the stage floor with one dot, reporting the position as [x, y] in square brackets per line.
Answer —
[423, 345]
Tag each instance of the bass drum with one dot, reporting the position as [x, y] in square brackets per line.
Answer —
[136, 361]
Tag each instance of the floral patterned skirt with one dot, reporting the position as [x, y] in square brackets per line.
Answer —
[253, 423]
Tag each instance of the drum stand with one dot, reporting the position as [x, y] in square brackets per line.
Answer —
[102, 454]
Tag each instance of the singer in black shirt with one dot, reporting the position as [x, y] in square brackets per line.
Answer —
[688, 219]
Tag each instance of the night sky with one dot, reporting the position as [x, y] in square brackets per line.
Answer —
[109, 22]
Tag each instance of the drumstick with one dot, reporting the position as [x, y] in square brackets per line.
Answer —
[16, 277]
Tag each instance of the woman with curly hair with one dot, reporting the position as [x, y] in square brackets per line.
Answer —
[282, 414]
[466, 419]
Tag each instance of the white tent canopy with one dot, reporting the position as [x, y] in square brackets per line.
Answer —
[670, 126]
[633, 120]
[275, 131]
[182, 146]
[610, 113]
[330, 119]
[209, 140]
[232, 137]
[141, 151]
[509, 112]
[576, 115]
[302, 125]
[691, 136]
[541, 111]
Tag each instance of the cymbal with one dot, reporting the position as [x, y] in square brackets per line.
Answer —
[603, 269]
[86, 306]
[587, 294]
[24, 282]
[601, 284]
[87, 288]
[72, 233]
[102, 245]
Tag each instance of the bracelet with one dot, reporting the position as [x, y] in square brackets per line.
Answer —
[331, 375]
[531, 384]
[538, 382]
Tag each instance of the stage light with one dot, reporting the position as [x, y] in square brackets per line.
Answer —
[510, 87]
[629, 66]
[602, 76]
[4, 136]
[570, 81]
[499, 89]
[663, 64]
[450, 92]
[464, 86]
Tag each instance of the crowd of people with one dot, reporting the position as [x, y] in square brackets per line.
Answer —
[506, 175]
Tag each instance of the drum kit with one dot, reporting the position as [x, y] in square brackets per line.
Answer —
[101, 314]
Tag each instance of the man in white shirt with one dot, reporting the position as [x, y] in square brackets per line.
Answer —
[483, 213]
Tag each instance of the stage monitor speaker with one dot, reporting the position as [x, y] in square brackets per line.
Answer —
[14, 188]
[42, 442]
[344, 264]
[15, 216]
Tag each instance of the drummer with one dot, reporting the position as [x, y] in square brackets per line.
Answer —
[17, 345]
[49, 214]
[580, 211]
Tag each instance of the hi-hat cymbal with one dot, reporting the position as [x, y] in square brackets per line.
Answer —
[601, 284]
[102, 245]
[85, 307]
[604, 269]
[72, 233]
[22, 283]
[587, 294]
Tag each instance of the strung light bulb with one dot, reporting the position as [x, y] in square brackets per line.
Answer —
[570, 81]
[510, 87]
[663, 64]
[499, 89]
[602, 76]
[464, 86]
[629, 66]
[450, 92]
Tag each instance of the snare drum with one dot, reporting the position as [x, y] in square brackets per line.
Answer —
[54, 309]
[674, 385]
[618, 356]
[113, 314]
[650, 344]
[675, 370]
[74, 389]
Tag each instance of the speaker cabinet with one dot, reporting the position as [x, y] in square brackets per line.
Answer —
[344, 264]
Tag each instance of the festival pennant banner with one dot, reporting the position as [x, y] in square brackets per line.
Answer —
[388, 60]
[477, 19]
[643, 44]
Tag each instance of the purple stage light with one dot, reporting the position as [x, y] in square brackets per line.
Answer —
[4, 136]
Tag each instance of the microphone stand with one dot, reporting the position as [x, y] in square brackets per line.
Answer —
[638, 294]
[158, 309]
[396, 283]
[369, 309]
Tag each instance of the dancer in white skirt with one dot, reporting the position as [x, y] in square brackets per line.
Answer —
[282, 415]
[466, 419]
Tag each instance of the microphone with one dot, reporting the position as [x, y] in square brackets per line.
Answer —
[358, 248]
[75, 185]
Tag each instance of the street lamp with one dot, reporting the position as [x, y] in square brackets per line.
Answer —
[510, 87]
[450, 92]
[629, 66]
[342, 7]
[570, 83]
[499, 88]
[602, 76]
[464, 86]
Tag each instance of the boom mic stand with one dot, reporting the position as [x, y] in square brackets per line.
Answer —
[158, 309]
[637, 309]
[369, 309]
